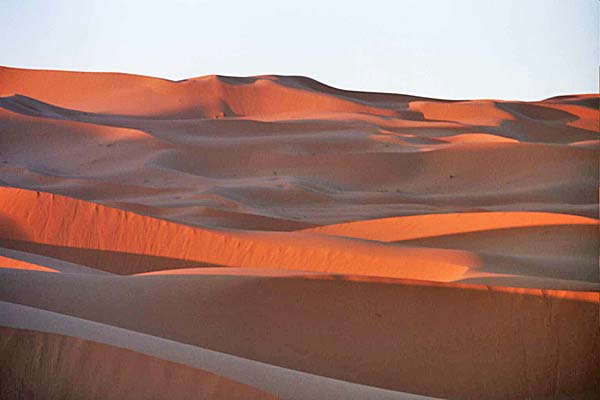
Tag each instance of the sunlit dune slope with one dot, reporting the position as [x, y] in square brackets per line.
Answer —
[211, 96]
[421, 226]
[124, 242]
[119, 240]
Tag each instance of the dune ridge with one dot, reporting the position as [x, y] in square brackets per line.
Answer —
[124, 242]
[275, 237]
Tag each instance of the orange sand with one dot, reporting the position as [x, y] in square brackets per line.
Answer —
[274, 237]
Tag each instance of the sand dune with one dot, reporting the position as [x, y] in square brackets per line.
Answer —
[124, 242]
[275, 237]
[285, 383]
[137, 377]
[423, 226]
[206, 97]
[290, 325]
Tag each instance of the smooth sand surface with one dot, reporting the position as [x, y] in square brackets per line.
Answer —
[55, 366]
[274, 237]
[285, 383]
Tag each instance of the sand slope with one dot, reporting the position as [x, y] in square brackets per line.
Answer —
[285, 383]
[287, 322]
[274, 237]
[74, 368]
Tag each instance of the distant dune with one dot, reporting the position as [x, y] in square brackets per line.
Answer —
[274, 237]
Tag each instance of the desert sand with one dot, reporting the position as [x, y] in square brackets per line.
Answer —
[274, 237]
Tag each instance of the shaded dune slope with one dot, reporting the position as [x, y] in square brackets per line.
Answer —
[101, 372]
[283, 383]
[510, 344]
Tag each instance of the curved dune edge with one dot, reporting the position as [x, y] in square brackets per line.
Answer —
[422, 226]
[477, 138]
[239, 272]
[8, 262]
[228, 370]
[10, 258]
[51, 366]
[473, 281]
[591, 144]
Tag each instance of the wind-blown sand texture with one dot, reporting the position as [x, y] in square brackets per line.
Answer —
[273, 237]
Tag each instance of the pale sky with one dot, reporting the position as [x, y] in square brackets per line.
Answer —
[504, 49]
